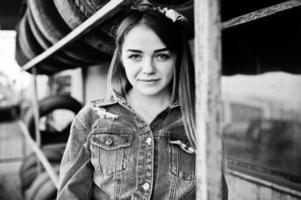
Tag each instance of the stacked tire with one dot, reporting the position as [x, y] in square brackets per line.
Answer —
[44, 23]
[41, 26]
[42, 188]
[35, 182]
[46, 107]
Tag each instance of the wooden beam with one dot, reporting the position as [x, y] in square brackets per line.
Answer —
[261, 13]
[208, 100]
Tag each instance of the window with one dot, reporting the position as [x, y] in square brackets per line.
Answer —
[262, 126]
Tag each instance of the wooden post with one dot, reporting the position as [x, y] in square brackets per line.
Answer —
[208, 100]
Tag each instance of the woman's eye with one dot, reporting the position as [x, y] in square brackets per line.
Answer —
[163, 57]
[134, 57]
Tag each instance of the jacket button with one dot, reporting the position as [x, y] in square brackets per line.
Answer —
[146, 186]
[108, 141]
[148, 140]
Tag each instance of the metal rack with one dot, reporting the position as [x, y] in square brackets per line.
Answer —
[88, 24]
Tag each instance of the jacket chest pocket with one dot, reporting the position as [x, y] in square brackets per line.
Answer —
[110, 152]
[182, 160]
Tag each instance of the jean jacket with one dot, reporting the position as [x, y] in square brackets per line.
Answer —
[113, 154]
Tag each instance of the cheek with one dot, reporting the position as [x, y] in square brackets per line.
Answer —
[130, 71]
[127, 67]
[169, 71]
[171, 75]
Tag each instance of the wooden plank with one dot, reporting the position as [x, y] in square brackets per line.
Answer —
[208, 101]
[261, 13]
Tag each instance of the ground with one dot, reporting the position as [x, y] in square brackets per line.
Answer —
[13, 148]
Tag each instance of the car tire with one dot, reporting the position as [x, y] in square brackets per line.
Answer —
[28, 170]
[42, 188]
[48, 105]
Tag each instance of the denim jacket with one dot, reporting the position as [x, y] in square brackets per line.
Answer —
[113, 154]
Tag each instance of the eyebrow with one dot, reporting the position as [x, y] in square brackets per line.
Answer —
[139, 51]
[159, 50]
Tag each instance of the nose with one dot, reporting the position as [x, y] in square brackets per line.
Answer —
[148, 66]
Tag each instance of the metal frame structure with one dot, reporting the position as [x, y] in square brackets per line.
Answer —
[207, 44]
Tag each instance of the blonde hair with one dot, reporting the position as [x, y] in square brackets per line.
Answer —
[182, 87]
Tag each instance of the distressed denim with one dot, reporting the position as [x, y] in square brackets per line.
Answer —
[113, 154]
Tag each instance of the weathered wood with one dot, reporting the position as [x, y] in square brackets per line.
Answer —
[261, 13]
[208, 103]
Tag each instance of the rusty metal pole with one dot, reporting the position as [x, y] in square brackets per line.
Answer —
[208, 99]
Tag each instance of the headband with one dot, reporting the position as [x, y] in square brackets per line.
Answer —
[169, 13]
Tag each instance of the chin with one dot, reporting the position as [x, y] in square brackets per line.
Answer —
[150, 91]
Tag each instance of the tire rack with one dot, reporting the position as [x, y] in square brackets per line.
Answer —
[111, 6]
[207, 47]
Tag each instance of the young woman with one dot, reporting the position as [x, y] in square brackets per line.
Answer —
[139, 142]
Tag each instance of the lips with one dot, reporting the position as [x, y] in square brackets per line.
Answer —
[148, 80]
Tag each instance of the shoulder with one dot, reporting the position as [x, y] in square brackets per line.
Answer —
[107, 101]
[95, 110]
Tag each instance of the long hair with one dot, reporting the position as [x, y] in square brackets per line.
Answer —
[182, 86]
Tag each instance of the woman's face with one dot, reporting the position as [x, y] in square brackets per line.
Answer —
[148, 64]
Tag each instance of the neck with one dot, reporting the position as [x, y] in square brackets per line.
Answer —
[160, 100]
[148, 106]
